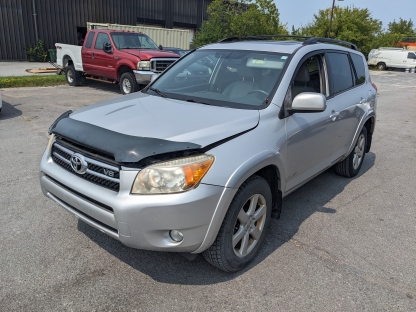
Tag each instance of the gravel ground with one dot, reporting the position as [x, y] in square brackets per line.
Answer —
[340, 245]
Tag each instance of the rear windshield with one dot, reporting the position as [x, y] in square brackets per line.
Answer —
[238, 79]
[133, 41]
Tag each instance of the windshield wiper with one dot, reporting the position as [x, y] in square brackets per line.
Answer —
[158, 92]
[193, 101]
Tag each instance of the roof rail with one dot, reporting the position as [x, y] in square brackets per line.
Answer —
[306, 40]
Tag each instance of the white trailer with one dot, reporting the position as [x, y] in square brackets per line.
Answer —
[178, 38]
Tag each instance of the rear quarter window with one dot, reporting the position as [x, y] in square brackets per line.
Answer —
[359, 66]
[340, 75]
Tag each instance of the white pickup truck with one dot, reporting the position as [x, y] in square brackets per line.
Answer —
[127, 58]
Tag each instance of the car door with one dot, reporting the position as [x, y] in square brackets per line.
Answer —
[310, 135]
[346, 97]
[103, 61]
[411, 60]
[87, 52]
[398, 59]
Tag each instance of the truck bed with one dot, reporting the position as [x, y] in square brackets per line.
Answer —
[66, 51]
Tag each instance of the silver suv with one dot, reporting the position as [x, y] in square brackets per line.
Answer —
[199, 160]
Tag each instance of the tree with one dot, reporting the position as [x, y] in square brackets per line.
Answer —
[402, 27]
[239, 18]
[349, 23]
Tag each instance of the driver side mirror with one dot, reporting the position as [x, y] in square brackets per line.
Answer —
[107, 47]
[160, 47]
[309, 102]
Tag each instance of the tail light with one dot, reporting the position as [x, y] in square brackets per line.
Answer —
[374, 86]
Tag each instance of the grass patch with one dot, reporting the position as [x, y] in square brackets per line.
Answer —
[32, 81]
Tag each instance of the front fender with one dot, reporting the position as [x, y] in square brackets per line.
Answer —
[242, 173]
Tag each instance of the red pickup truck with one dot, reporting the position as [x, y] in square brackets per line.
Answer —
[127, 58]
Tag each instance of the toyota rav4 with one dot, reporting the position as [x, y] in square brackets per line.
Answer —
[200, 159]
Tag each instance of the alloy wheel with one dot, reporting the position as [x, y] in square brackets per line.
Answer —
[249, 225]
[358, 151]
[126, 86]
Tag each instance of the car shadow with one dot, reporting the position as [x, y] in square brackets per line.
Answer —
[102, 86]
[172, 268]
[9, 111]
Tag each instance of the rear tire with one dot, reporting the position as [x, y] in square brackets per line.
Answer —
[381, 66]
[351, 165]
[128, 83]
[73, 77]
[244, 227]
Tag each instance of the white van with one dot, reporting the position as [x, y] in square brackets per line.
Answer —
[392, 57]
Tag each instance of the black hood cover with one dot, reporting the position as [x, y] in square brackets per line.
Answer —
[125, 148]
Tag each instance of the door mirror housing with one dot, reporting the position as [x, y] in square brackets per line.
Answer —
[107, 47]
[309, 102]
[160, 47]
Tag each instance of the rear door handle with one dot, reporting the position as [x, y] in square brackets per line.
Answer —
[334, 115]
[92, 55]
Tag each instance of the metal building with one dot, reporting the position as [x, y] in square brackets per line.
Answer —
[23, 21]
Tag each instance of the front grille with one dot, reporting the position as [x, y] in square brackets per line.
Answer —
[97, 172]
[159, 65]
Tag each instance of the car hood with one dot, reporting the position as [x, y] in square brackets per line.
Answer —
[146, 54]
[143, 115]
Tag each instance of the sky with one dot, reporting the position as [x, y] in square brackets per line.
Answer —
[300, 12]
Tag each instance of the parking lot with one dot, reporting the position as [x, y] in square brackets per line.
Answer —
[340, 245]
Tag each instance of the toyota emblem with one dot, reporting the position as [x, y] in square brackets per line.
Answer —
[78, 163]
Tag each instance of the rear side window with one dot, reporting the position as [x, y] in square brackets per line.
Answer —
[358, 62]
[90, 38]
[340, 76]
[101, 39]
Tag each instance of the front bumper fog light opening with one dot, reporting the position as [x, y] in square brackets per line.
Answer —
[176, 235]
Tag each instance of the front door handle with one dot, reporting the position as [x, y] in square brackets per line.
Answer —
[334, 115]
[92, 55]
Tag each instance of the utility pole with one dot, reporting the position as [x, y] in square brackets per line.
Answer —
[332, 15]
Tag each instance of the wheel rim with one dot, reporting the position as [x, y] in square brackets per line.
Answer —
[358, 151]
[380, 66]
[126, 85]
[70, 76]
[249, 225]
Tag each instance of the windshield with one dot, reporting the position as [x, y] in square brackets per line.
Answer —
[133, 41]
[238, 79]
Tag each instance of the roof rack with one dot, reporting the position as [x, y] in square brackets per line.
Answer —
[306, 40]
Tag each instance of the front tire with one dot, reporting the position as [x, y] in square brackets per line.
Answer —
[128, 83]
[351, 165]
[244, 227]
[73, 77]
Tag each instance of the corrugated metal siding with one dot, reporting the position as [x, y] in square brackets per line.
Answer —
[58, 19]
[184, 11]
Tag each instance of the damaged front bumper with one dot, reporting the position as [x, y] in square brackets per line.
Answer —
[138, 221]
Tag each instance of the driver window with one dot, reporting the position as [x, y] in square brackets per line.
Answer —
[411, 55]
[308, 77]
[101, 39]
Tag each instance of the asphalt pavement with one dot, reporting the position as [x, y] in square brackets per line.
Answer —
[340, 245]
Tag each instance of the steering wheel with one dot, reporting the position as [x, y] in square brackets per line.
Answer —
[258, 91]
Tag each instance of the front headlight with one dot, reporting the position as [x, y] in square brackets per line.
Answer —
[143, 65]
[173, 176]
